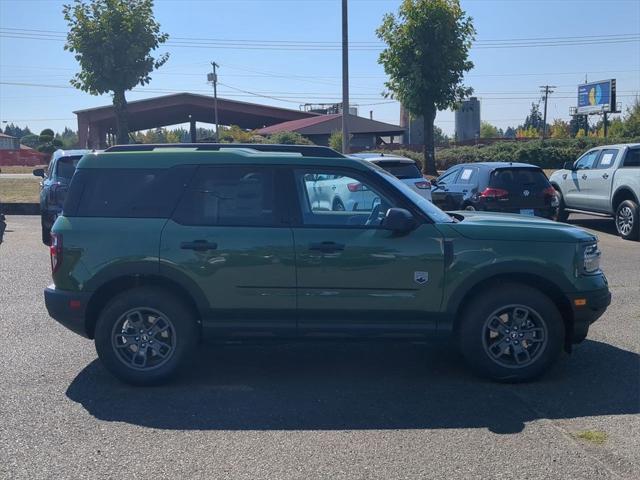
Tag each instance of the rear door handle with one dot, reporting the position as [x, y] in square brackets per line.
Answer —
[605, 175]
[326, 247]
[199, 245]
[584, 177]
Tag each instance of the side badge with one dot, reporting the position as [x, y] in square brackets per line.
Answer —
[421, 277]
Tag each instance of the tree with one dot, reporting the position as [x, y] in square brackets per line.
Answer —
[47, 143]
[439, 137]
[527, 133]
[510, 132]
[335, 141]
[112, 41]
[534, 119]
[290, 138]
[489, 131]
[30, 140]
[560, 129]
[616, 128]
[426, 58]
[632, 120]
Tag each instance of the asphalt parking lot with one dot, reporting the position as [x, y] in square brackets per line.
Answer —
[313, 411]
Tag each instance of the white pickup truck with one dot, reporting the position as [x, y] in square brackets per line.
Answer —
[605, 180]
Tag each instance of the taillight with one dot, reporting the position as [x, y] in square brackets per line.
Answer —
[423, 185]
[490, 192]
[355, 187]
[549, 191]
[55, 250]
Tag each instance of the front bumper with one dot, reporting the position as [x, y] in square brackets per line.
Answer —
[587, 308]
[68, 308]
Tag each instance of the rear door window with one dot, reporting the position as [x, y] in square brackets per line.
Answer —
[632, 158]
[608, 158]
[230, 196]
[401, 170]
[126, 192]
[468, 175]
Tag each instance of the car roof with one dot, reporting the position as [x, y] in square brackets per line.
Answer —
[495, 165]
[616, 145]
[70, 153]
[305, 150]
[380, 157]
[170, 157]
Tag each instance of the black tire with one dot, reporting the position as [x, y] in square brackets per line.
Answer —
[180, 342]
[468, 207]
[473, 333]
[627, 220]
[337, 206]
[46, 231]
[561, 214]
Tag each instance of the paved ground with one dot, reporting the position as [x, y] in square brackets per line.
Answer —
[16, 175]
[304, 412]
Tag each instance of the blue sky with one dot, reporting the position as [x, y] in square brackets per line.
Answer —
[505, 79]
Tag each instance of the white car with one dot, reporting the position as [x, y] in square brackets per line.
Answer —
[401, 167]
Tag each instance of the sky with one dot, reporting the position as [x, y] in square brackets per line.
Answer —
[287, 53]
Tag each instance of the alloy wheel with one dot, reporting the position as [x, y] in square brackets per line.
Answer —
[624, 220]
[143, 338]
[514, 336]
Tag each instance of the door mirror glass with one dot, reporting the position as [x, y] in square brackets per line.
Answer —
[398, 220]
[434, 182]
[39, 172]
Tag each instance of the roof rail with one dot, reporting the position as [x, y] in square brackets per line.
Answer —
[304, 150]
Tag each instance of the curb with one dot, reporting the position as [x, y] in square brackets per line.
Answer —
[20, 208]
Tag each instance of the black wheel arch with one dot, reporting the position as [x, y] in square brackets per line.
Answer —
[483, 284]
[620, 195]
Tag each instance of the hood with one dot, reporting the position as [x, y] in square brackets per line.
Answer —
[504, 226]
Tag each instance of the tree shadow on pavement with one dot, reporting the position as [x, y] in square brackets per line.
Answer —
[360, 386]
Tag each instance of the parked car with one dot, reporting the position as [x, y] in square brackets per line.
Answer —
[228, 245]
[605, 180]
[54, 185]
[403, 168]
[497, 187]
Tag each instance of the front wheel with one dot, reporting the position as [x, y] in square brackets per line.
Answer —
[144, 335]
[627, 221]
[513, 333]
[561, 214]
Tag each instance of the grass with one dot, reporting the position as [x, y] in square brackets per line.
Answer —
[20, 169]
[592, 436]
[19, 190]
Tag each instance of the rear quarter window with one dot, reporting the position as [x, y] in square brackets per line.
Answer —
[126, 192]
[632, 158]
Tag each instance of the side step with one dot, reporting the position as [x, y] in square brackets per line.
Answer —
[585, 212]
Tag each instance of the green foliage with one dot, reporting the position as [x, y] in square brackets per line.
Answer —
[30, 140]
[529, 132]
[552, 153]
[47, 143]
[534, 120]
[335, 141]
[439, 136]
[15, 131]
[112, 41]
[617, 128]
[68, 137]
[426, 57]
[560, 129]
[289, 138]
[235, 134]
[489, 131]
[632, 120]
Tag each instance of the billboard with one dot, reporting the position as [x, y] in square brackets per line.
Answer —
[597, 97]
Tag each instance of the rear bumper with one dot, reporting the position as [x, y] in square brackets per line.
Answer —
[546, 211]
[595, 304]
[67, 308]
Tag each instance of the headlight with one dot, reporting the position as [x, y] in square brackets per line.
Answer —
[591, 258]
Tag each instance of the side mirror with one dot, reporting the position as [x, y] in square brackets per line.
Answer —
[39, 172]
[568, 166]
[434, 182]
[398, 220]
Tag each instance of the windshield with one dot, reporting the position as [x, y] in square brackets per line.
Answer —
[433, 212]
[66, 166]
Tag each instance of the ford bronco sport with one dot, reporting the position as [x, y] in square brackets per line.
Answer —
[236, 245]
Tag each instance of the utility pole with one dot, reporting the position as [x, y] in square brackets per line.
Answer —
[345, 79]
[213, 77]
[546, 90]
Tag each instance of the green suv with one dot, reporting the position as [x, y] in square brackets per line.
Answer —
[157, 250]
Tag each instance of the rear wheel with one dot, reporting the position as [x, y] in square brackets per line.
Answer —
[627, 221]
[144, 335]
[337, 206]
[512, 334]
[46, 230]
[561, 214]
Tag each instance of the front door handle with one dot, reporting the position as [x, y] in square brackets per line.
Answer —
[326, 247]
[605, 175]
[199, 245]
[584, 177]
